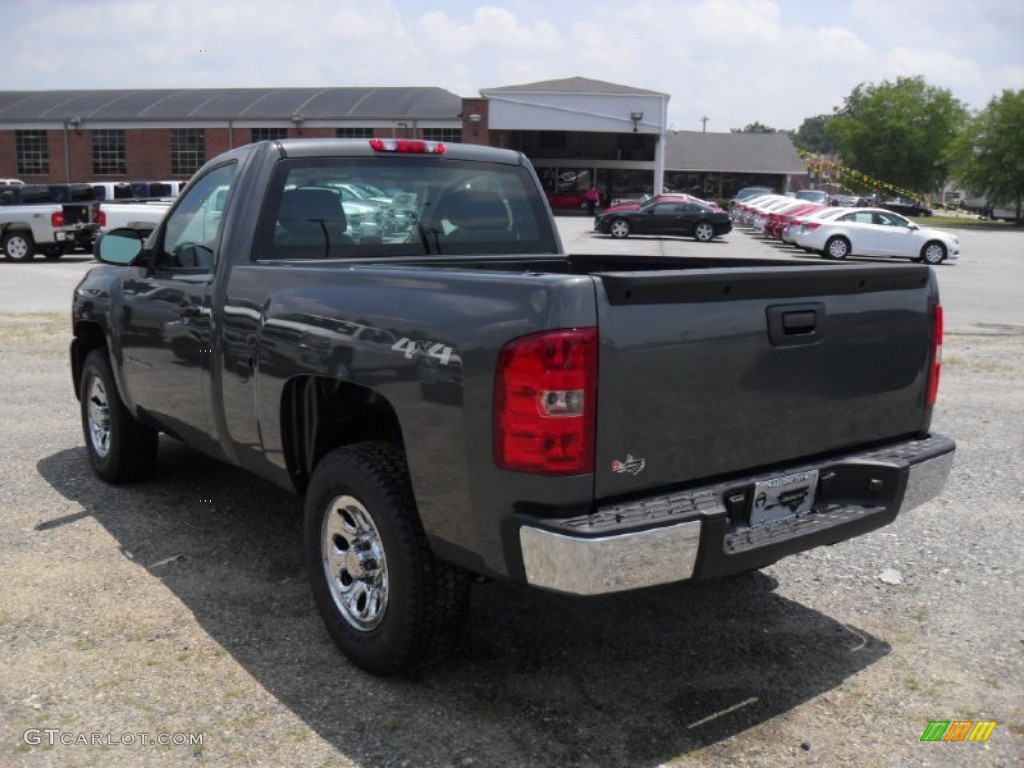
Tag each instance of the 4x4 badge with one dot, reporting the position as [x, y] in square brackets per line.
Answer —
[630, 465]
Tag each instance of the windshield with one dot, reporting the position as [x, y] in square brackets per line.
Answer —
[419, 206]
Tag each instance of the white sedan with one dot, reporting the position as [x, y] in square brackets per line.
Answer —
[803, 224]
[878, 232]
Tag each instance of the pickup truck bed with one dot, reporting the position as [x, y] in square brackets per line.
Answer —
[462, 397]
[141, 215]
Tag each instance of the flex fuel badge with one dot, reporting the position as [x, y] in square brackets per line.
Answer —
[631, 465]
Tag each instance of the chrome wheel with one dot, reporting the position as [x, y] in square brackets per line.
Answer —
[933, 253]
[386, 600]
[99, 418]
[619, 228]
[354, 563]
[120, 448]
[837, 248]
[18, 246]
[704, 231]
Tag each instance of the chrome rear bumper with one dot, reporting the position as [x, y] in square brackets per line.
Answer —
[665, 539]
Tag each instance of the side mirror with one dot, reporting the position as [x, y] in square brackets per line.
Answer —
[119, 246]
[914, 227]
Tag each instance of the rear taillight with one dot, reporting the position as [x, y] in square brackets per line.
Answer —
[812, 224]
[545, 403]
[57, 219]
[98, 215]
[935, 364]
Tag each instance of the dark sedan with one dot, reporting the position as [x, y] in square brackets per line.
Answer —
[906, 207]
[687, 219]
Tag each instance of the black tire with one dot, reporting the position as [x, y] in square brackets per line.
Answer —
[120, 448]
[389, 604]
[619, 228]
[933, 252]
[837, 248]
[18, 245]
[704, 231]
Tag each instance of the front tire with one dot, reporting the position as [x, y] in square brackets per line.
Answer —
[933, 253]
[837, 248]
[704, 232]
[18, 246]
[619, 228]
[120, 448]
[389, 604]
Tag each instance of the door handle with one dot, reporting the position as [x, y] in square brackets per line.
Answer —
[795, 323]
[790, 325]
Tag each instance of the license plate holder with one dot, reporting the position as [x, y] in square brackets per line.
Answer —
[783, 497]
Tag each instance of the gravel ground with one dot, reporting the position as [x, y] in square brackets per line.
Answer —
[178, 610]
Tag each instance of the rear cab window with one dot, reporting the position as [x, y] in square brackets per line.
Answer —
[356, 207]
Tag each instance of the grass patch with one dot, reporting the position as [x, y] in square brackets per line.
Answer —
[964, 222]
[34, 327]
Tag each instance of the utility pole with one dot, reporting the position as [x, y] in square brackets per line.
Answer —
[704, 124]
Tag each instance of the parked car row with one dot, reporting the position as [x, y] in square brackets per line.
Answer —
[837, 232]
[15, 192]
[136, 190]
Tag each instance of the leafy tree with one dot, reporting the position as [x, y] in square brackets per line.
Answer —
[987, 157]
[812, 135]
[754, 127]
[899, 132]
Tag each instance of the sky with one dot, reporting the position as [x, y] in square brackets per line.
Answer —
[735, 62]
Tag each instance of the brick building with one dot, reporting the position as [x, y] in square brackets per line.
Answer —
[117, 135]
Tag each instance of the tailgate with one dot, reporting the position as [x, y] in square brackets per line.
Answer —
[706, 373]
[77, 213]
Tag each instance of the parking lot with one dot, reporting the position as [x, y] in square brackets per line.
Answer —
[179, 607]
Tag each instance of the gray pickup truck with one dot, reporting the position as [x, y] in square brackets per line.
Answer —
[454, 395]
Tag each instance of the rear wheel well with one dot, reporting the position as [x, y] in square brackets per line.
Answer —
[319, 414]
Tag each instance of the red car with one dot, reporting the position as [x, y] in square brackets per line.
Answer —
[573, 200]
[780, 219]
[667, 197]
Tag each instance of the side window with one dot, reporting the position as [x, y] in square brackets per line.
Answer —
[192, 233]
[889, 221]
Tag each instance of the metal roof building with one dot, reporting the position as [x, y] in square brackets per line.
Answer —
[214, 107]
[732, 152]
[81, 135]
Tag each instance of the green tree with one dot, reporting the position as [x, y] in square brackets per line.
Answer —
[754, 127]
[898, 132]
[987, 157]
[812, 135]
